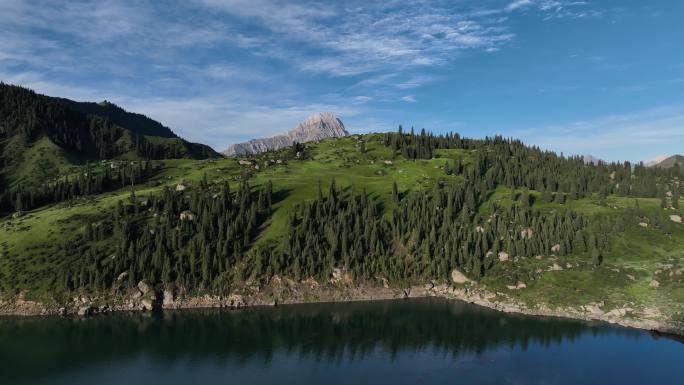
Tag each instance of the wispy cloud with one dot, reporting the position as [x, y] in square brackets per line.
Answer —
[519, 4]
[359, 37]
[555, 9]
[36, 81]
[616, 137]
[223, 70]
[415, 82]
[362, 99]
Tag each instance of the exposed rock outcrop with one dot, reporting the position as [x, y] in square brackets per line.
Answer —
[555, 267]
[85, 311]
[169, 300]
[147, 304]
[316, 127]
[458, 277]
[341, 275]
[517, 286]
[144, 287]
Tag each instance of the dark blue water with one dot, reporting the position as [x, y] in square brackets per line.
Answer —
[421, 341]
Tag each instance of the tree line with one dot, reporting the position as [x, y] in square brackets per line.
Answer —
[513, 164]
[89, 180]
[426, 236]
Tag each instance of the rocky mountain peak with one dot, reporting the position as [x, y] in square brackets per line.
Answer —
[324, 121]
[318, 126]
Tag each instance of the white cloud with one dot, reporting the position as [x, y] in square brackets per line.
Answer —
[555, 9]
[94, 35]
[363, 99]
[615, 137]
[415, 82]
[409, 99]
[355, 38]
[332, 66]
[39, 84]
[375, 80]
[518, 4]
[371, 37]
[229, 72]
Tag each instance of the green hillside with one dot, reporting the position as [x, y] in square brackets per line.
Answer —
[407, 208]
[41, 136]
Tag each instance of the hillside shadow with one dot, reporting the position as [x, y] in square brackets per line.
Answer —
[280, 195]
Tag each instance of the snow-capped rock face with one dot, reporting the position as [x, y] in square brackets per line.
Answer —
[316, 127]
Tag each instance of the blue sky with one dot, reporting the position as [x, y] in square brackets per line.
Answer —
[599, 77]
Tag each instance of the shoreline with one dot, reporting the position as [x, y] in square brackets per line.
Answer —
[308, 292]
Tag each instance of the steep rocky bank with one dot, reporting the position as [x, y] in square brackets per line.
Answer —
[281, 291]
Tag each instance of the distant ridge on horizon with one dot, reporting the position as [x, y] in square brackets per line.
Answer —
[664, 161]
[590, 159]
[667, 162]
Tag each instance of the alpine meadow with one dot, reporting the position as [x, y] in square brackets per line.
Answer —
[323, 192]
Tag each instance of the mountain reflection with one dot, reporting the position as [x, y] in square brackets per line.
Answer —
[37, 347]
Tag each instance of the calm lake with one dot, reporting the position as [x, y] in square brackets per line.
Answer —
[418, 341]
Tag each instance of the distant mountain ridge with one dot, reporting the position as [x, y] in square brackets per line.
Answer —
[131, 120]
[663, 161]
[316, 127]
[670, 162]
[590, 159]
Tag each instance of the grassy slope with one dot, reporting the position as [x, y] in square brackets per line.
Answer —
[25, 243]
[39, 161]
[359, 170]
[636, 257]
